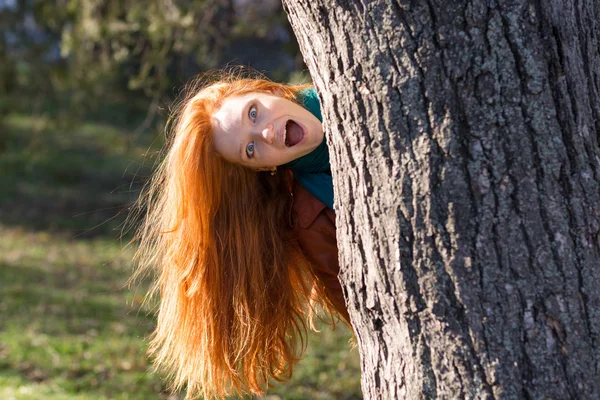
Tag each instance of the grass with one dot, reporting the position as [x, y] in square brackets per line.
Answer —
[69, 326]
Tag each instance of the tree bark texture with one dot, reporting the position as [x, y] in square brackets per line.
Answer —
[464, 148]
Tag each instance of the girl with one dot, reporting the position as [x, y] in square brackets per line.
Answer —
[241, 231]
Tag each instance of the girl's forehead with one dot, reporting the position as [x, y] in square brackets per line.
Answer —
[232, 106]
[246, 96]
[228, 110]
[234, 102]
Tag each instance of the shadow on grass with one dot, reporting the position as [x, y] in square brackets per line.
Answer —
[66, 301]
[81, 181]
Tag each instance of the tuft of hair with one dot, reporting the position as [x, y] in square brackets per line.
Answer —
[235, 291]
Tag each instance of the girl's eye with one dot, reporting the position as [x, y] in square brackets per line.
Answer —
[250, 150]
[252, 113]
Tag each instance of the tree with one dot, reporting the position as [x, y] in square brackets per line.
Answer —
[466, 166]
[73, 59]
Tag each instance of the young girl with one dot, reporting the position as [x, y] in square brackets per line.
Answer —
[241, 231]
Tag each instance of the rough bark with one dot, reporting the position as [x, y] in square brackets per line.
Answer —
[466, 165]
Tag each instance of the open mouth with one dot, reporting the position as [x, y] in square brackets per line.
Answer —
[293, 133]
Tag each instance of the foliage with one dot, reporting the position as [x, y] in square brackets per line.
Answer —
[146, 37]
[84, 54]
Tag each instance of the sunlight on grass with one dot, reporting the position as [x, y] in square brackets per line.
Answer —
[71, 329]
[68, 326]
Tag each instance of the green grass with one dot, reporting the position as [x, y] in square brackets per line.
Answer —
[69, 326]
[75, 181]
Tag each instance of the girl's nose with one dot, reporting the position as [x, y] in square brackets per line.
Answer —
[268, 133]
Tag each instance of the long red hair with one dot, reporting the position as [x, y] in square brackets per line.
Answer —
[235, 291]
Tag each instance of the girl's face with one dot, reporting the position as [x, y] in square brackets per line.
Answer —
[262, 131]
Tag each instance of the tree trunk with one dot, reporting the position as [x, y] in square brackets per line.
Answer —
[464, 145]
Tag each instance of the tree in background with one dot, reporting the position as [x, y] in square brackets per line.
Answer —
[466, 165]
[85, 53]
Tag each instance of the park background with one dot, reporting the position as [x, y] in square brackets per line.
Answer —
[85, 89]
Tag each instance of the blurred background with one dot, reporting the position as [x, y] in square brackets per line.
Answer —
[85, 87]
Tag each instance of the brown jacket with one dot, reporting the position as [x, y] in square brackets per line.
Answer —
[315, 230]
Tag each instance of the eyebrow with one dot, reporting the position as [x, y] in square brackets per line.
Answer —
[245, 110]
[242, 151]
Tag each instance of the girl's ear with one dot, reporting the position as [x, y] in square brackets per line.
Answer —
[277, 92]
